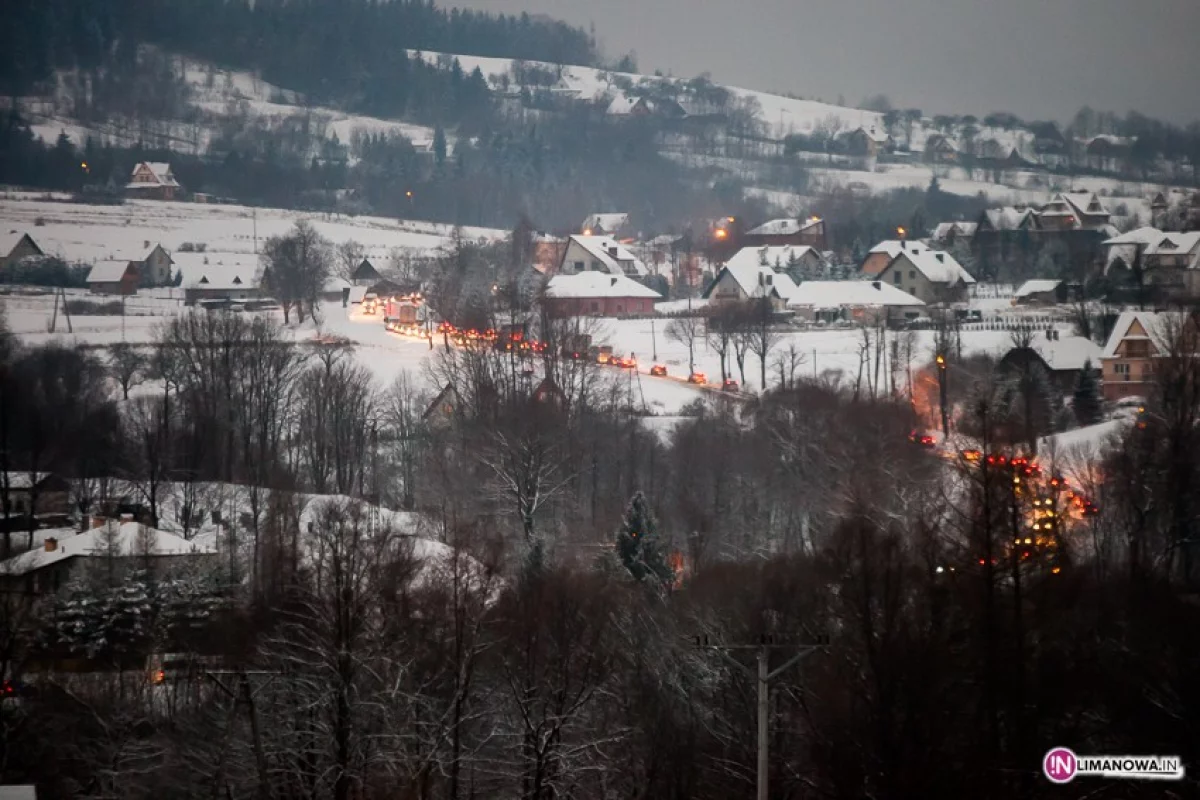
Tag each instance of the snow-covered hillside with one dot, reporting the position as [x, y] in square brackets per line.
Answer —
[88, 233]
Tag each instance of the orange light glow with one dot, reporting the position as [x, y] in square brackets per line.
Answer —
[901, 231]
[721, 233]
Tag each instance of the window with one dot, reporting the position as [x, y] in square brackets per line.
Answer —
[896, 276]
[912, 275]
[1137, 349]
[1122, 370]
[579, 266]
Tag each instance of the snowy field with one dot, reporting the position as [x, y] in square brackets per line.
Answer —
[87, 233]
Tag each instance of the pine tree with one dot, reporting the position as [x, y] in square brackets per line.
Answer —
[638, 546]
[1087, 396]
[439, 146]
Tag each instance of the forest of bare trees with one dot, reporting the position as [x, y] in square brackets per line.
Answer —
[528, 630]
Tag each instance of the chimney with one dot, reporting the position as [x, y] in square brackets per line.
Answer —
[614, 281]
[51, 544]
[145, 244]
[941, 257]
[878, 287]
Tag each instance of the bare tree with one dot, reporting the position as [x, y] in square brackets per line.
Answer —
[348, 255]
[684, 331]
[762, 336]
[128, 366]
[296, 267]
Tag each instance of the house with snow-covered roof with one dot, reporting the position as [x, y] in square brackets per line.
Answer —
[1138, 340]
[940, 149]
[744, 280]
[863, 302]
[152, 180]
[113, 276]
[16, 246]
[787, 231]
[879, 256]
[1060, 358]
[597, 294]
[218, 276]
[1073, 211]
[121, 545]
[1167, 260]
[615, 225]
[599, 254]
[946, 234]
[796, 260]
[933, 276]
[1040, 292]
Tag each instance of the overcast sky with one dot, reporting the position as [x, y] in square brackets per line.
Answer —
[1037, 58]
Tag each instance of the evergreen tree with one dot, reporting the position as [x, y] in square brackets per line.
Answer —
[439, 147]
[1087, 396]
[638, 545]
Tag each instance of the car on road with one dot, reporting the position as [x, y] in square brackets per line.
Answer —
[922, 438]
[658, 370]
[698, 377]
[730, 385]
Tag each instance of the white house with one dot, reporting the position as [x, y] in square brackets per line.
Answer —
[218, 276]
[866, 302]
[599, 254]
[932, 276]
[790, 258]
[745, 280]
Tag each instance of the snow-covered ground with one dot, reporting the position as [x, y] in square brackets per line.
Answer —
[88, 233]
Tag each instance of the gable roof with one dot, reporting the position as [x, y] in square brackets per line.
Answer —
[601, 248]
[109, 271]
[944, 230]
[893, 247]
[1143, 235]
[623, 104]
[123, 539]
[607, 222]
[161, 172]
[10, 239]
[1036, 286]
[751, 278]
[218, 270]
[1154, 323]
[936, 265]
[835, 294]
[783, 227]
[1076, 204]
[1068, 353]
[774, 256]
[1007, 218]
[365, 270]
[597, 284]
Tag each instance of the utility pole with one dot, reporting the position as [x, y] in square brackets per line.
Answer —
[763, 676]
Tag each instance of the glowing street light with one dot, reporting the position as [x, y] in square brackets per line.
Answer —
[901, 231]
[721, 233]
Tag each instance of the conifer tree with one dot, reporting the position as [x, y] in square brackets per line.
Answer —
[1087, 396]
[637, 543]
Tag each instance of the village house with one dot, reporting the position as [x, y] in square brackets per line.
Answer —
[597, 294]
[746, 279]
[862, 302]
[222, 278]
[599, 254]
[1137, 340]
[940, 149]
[365, 274]
[879, 256]
[108, 545]
[933, 276]
[796, 260]
[119, 277]
[947, 234]
[16, 247]
[1169, 262]
[1109, 153]
[44, 496]
[1061, 358]
[613, 225]
[1073, 211]
[787, 231]
[1039, 292]
[152, 180]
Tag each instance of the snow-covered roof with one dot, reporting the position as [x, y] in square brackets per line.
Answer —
[10, 239]
[1036, 286]
[1143, 235]
[608, 222]
[1068, 352]
[1173, 242]
[893, 247]
[602, 249]
[108, 271]
[753, 278]
[218, 270]
[112, 538]
[835, 294]
[597, 284]
[1156, 324]
[24, 480]
[936, 265]
[945, 230]
[1075, 204]
[783, 227]
[623, 104]
[161, 172]
[1007, 218]
[775, 256]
